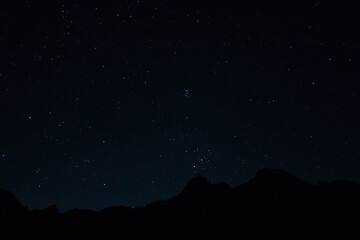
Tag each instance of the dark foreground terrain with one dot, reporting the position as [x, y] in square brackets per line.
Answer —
[273, 204]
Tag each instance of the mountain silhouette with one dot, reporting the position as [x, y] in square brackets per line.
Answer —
[200, 189]
[9, 205]
[274, 204]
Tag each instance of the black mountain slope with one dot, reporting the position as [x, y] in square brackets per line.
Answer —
[9, 205]
[272, 204]
[199, 189]
[273, 186]
[12, 214]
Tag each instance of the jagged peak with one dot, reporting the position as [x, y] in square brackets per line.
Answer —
[200, 187]
[199, 180]
[276, 177]
[196, 185]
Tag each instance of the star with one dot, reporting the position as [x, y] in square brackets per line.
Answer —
[187, 93]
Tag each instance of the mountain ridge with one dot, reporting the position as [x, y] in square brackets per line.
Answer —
[274, 201]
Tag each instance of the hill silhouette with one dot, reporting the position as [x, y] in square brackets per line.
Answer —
[272, 204]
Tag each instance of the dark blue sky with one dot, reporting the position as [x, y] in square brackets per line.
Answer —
[123, 102]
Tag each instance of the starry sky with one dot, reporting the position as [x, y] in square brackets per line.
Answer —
[107, 103]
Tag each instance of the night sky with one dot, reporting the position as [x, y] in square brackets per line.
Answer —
[107, 103]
